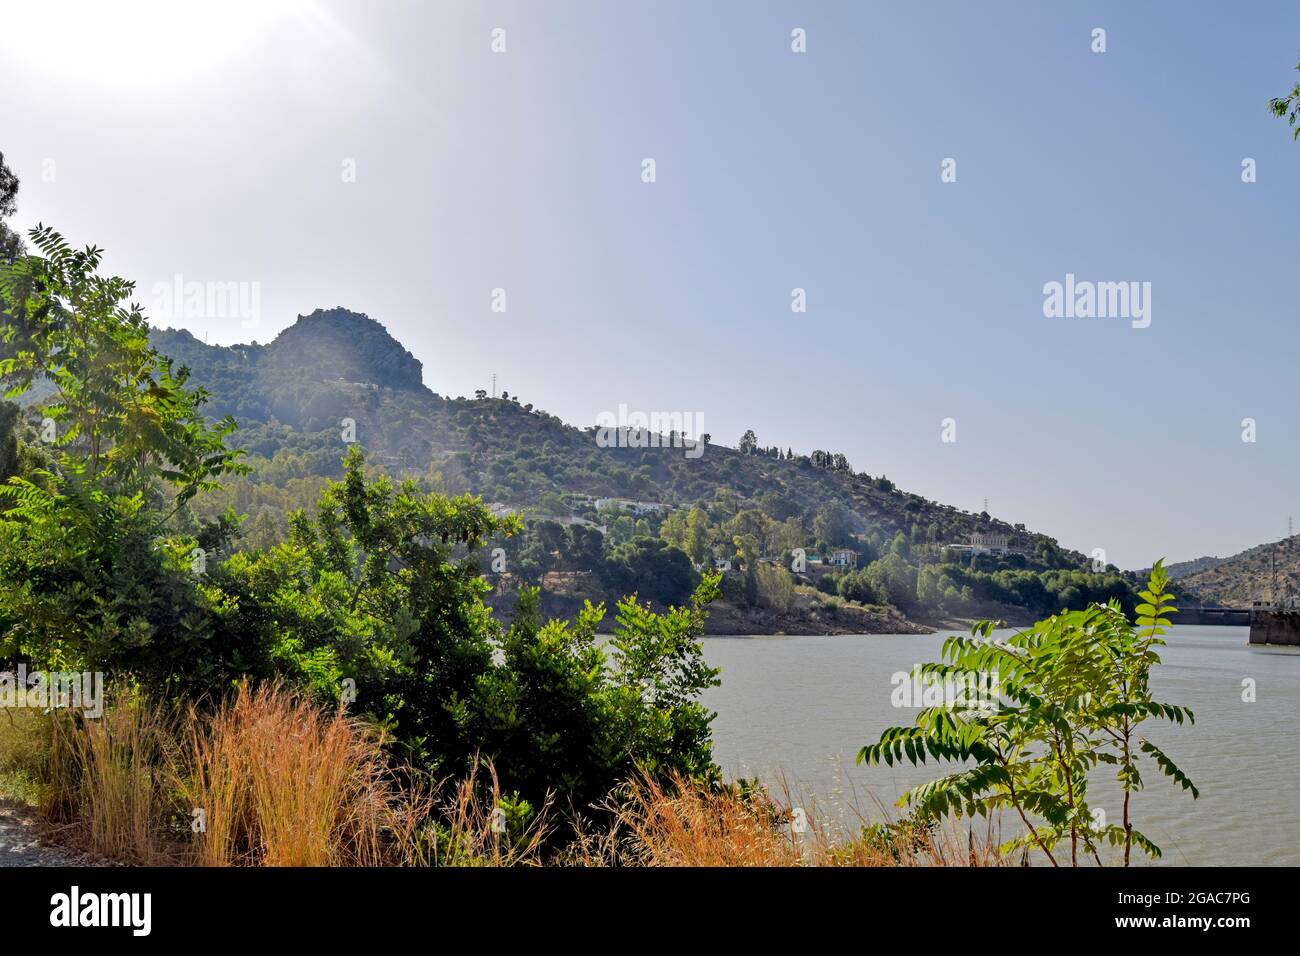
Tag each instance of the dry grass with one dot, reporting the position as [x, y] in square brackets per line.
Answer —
[278, 781]
[101, 784]
[471, 829]
[118, 763]
[682, 822]
[22, 753]
[282, 782]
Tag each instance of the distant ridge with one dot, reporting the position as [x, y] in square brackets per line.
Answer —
[1181, 569]
[1248, 576]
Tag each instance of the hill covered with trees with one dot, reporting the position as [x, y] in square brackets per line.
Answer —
[337, 377]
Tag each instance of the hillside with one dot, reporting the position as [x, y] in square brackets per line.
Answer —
[336, 376]
[331, 365]
[1249, 576]
[1182, 569]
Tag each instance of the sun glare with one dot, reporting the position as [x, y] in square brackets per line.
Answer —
[137, 44]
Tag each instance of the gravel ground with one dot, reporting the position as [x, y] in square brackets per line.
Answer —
[19, 845]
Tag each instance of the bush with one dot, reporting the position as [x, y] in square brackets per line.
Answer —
[859, 586]
[564, 715]
[651, 568]
[775, 587]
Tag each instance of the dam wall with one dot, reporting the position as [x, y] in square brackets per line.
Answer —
[1213, 616]
[1280, 626]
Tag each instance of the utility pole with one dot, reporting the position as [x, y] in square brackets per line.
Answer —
[1273, 587]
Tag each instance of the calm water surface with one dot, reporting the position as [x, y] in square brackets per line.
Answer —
[803, 706]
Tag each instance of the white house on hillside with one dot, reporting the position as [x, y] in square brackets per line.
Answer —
[981, 543]
[638, 508]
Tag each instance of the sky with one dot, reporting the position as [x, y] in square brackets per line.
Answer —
[407, 159]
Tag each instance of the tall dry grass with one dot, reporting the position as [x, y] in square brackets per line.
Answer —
[105, 786]
[282, 782]
[275, 781]
[682, 822]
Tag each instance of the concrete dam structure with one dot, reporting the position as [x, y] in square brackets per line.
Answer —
[1213, 616]
[1275, 626]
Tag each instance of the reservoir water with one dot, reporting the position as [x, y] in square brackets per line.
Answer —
[800, 708]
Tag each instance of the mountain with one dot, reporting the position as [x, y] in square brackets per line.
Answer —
[1181, 569]
[1261, 573]
[291, 398]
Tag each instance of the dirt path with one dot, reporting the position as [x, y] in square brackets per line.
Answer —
[19, 845]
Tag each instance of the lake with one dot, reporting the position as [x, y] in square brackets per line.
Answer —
[803, 706]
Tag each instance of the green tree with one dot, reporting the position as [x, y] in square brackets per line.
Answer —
[831, 525]
[859, 586]
[673, 530]
[381, 586]
[894, 579]
[651, 568]
[1288, 108]
[786, 536]
[96, 567]
[775, 587]
[753, 526]
[9, 447]
[11, 244]
[583, 547]
[930, 586]
[1067, 696]
[699, 535]
[1125, 702]
[123, 412]
[900, 547]
[567, 715]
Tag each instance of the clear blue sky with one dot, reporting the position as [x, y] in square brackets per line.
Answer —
[210, 144]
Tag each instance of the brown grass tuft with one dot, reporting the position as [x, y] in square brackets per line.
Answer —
[683, 822]
[283, 783]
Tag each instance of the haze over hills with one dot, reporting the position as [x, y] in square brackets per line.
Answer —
[331, 365]
[1182, 569]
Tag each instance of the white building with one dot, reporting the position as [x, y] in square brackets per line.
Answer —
[981, 543]
[638, 508]
[843, 558]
